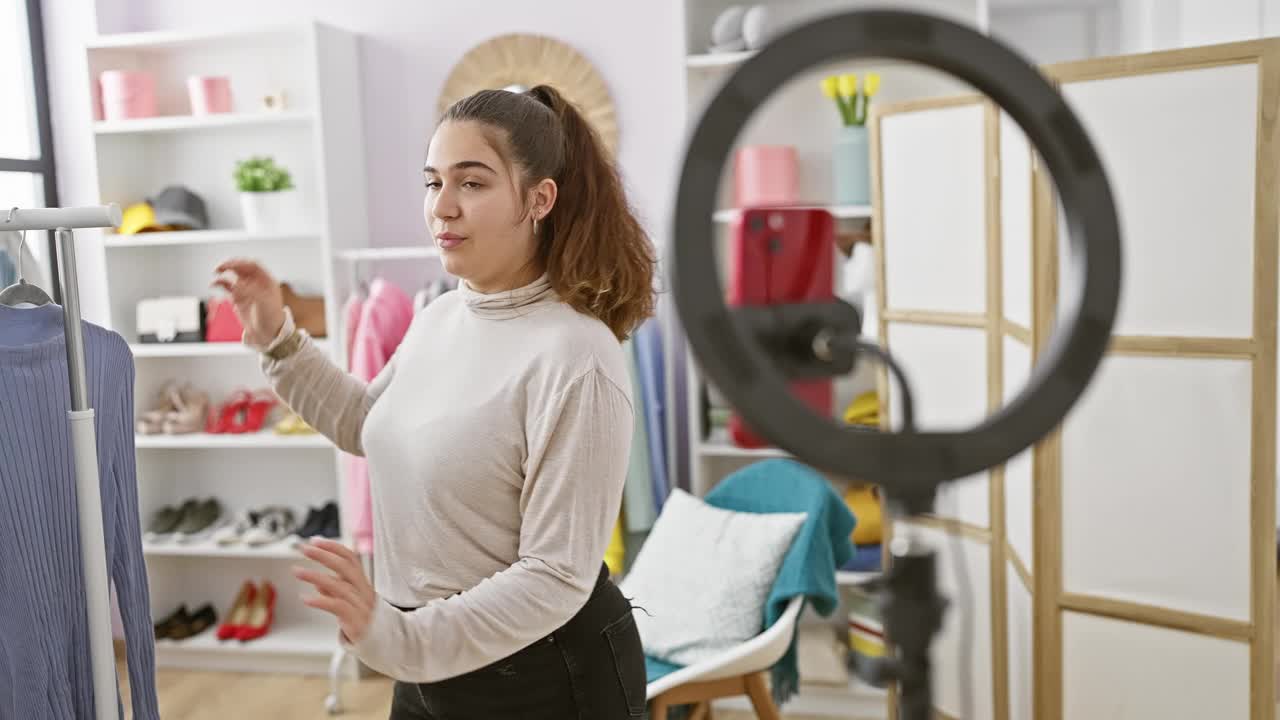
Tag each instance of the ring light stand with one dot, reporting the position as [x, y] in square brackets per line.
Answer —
[751, 353]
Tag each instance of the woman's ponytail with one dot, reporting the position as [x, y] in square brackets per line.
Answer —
[597, 256]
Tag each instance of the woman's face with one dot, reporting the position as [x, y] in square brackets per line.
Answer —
[475, 210]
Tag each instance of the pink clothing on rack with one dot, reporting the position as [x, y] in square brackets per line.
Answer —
[384, 319]
[351, 312]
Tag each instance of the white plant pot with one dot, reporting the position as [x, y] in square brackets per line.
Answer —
[270, 211]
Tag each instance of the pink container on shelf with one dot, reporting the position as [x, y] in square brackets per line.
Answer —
[209, 94]
[127, 94]
[766, 175]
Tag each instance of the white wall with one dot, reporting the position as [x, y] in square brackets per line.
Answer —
[1149, 25]
[1060, 31]
[409, 48]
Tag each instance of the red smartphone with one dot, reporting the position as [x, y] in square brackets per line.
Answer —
[779, 256]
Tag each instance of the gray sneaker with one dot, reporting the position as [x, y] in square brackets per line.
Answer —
[203, 516]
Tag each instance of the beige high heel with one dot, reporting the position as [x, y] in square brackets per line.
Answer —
[191, 410]
[151, 421]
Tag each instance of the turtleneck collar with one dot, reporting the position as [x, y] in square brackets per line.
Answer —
[508, 303]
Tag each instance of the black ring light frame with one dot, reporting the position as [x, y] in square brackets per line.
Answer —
[908, 465]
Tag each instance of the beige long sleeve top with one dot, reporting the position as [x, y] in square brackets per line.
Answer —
[497, 441]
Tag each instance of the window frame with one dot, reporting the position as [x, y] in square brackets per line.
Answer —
[44, 164]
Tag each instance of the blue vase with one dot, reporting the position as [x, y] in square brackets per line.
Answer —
[850, 167]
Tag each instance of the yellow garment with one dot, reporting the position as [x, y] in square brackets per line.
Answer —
[616, 552]
[864, 410]
[864, 503]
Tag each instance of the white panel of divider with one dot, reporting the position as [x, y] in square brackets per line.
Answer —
[1015, 221]
[1021, 647]
[933, 209]
[1180, 150]
[947, 368]
[1117, 669]
[1018, 471]
[1156, 485]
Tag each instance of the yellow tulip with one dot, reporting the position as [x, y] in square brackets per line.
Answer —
[848, 84]
[873, 84]
[829, 86]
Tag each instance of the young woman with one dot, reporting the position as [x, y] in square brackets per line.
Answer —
[497, 437]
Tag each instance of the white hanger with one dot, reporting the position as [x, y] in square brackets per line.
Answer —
[22, 291]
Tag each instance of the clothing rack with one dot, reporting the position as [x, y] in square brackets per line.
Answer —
[354, 258]
[93, 553]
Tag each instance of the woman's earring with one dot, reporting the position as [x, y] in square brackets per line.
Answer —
[535, 225]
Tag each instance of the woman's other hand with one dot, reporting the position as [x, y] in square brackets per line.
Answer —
[257, 297]
[346, 594]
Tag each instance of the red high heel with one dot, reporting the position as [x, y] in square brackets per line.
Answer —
[239, 613]
[257, 409]
[224, 420]
[262, 613]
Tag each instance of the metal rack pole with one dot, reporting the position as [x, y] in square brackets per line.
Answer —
[93, 555]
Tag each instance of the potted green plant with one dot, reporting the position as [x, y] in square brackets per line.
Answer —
[268, 197]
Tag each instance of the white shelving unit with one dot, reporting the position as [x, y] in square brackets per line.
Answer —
[192, 123]
[196, 350]
[796, 114]
[209, 237]
[318, 136]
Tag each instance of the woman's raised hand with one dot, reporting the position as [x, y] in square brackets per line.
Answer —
[256, 295]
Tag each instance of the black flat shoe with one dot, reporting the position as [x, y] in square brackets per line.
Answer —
[165, 628]
[203, 619]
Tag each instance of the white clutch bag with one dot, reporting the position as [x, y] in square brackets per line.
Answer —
[170, 319]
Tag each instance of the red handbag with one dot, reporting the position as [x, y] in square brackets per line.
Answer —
[221, 323]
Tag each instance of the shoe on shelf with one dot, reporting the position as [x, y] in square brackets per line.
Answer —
[163, 523]
[310, 526]
[332, 527]
[293, 424]
[190, 414]
[164, 628]
[204, 516]
[262, 614]
[238, 613]
[169, 519]
[260, 405]
[234, 531]
[151, 420]
[194, 624]
[229, 415]
[275, 523]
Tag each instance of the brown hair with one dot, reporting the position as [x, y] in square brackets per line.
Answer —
[596, 254]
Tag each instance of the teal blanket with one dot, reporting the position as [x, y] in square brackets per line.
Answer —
[822, 545]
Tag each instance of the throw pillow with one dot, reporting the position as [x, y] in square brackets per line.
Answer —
[700, 581]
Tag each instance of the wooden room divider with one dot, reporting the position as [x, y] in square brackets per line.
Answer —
[1126, 565]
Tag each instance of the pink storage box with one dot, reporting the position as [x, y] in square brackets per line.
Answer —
[127, 94]
[209, 95]
[766, 175]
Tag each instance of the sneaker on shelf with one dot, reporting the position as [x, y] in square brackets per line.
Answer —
[275, 523]
[332, 527]
[163, 523]
[318, 523]
[234, 531]
[197, 524]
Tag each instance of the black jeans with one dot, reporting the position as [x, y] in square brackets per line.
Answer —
[592, 668]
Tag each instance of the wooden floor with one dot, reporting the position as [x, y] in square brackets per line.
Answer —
[192, 695]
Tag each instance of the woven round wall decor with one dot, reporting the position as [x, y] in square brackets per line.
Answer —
[520, 61]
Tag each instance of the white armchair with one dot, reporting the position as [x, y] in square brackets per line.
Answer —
[741, 670]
